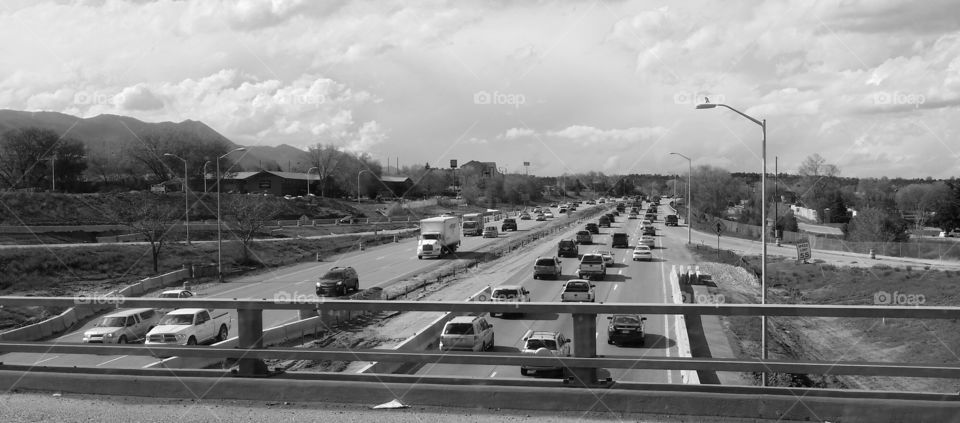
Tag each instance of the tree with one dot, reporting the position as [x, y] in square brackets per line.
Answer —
[327, 160]
[251, 213]
[946, 214]
[817, 178]
[27, 154]
[713, 189]
[875, 225]
[919, 200]
[148, 215]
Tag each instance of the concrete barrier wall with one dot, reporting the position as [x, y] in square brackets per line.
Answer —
[72, 315]
[683, 339]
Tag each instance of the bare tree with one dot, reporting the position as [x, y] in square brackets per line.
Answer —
[26, 157]
[817, 178]
[251, 213]
[148, 215]
[327, 160]
[920, 199]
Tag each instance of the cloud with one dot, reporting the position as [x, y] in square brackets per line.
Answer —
[138, 98]
[515, 133]
[588, 135]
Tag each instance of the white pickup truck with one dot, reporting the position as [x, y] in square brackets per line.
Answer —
[191, 326]
[592, 266]
[509, 294]
[578, 290]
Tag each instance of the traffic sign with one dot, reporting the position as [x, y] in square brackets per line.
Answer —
[720, 227]
[803, 251]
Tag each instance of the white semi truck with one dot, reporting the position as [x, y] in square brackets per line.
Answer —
[472, 224]
[438, 236]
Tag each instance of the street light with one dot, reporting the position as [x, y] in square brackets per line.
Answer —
[219, 236]
[205, 176]
[358, 182]
[763, 224]
[186, 200]
[308, 179]
[689, 194]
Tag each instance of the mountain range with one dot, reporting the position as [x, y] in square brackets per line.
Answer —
[114, 133]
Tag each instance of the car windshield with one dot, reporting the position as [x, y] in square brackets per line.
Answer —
[430, 236]
[545, 262]
[112, 322]
[505, 293]
[176, 319]
[170, 295]
[535, 344]
[626, 320]
[458, 329]
[592, 259]
[578, 287]
[331, 275]
[566, 244]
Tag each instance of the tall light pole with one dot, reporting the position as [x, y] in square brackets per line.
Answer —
[219, 235]
[308, 178]
[763, 223]
[205, 176]
[186, 199]
[689, 194]
[358, 183]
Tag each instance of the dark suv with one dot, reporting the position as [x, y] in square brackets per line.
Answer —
[337, 282]
[592, 228]
[508, 224]
[671, 220]
[620, 240]
[604, 221]
[568, 248]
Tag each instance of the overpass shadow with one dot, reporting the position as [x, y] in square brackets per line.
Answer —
[614, 278]
[654, 341]
[504, 349]
[532, 316]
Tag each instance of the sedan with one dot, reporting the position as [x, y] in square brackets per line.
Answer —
[548, 215]
[647, 240]
[541, 218]
[642, 252]
[607, 257]
[625, 329]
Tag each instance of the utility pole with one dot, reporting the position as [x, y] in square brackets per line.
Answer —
[776, 185]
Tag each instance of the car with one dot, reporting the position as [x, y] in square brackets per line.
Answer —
[651, 217]
[625, 329]
[671, 220]
[122, 327]
[550, 267]
[524, 216]
[554, 205]
[541, 218]
[620, 239]
[544, 344]
[610, 216]
[584, 237]
[647, 240]
[592, 228]
[490, 232]
[607, 257]
[591, 202]
[568, 248]
[174, 293]
[509, 294]
[649, 230]
[592, 266]
[578, 290]
[604, 221]
[633, 216]
[472, 333]
[508, 224]
[642, 252]
[548, 214]
[562, 210]
[338, 281]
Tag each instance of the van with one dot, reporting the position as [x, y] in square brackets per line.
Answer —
[467, 333]
[122, 327]
[620, 239]
[567, 248]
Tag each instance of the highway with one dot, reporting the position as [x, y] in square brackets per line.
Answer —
[626, 282]
[378, 266]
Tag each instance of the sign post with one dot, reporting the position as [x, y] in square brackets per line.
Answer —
[720, 228]
[803, 251]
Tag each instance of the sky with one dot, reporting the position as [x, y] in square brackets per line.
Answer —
[567, 86]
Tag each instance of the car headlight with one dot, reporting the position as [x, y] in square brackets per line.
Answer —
[340, 283]
[109, 335]
[180, 336]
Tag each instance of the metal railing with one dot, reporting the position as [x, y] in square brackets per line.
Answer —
[583, 365]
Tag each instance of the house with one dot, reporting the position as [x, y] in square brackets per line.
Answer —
[269, 182]
[396, 186]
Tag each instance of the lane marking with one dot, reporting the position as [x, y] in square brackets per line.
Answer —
[110, 361]
[615, 286]
[493, 374]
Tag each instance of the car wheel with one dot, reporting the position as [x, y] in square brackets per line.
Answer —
[223, 333]
[609, 341]
[122, 340]
[490, 347]
[534, 275]
[192, 341]
[523, 372]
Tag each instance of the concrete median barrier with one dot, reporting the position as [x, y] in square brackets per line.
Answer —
[683, 339]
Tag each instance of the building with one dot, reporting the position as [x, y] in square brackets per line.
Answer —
[484, 169]
[270, 182]
[396, 186]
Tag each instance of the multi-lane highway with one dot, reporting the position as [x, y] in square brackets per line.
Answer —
[377, 266]
[626, 282]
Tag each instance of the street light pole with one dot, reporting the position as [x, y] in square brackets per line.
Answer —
[219, 234]
[689, 195]
[763, 224]
[308, 178]
[186, 198]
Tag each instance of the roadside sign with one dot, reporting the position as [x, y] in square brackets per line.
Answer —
[720, 227]
[803, 251]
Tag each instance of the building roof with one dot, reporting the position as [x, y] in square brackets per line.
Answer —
[396, 179]
[285, 175]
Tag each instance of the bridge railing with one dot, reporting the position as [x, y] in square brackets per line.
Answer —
[583, 365]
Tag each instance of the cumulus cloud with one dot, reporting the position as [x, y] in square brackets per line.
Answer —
[589, 135]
